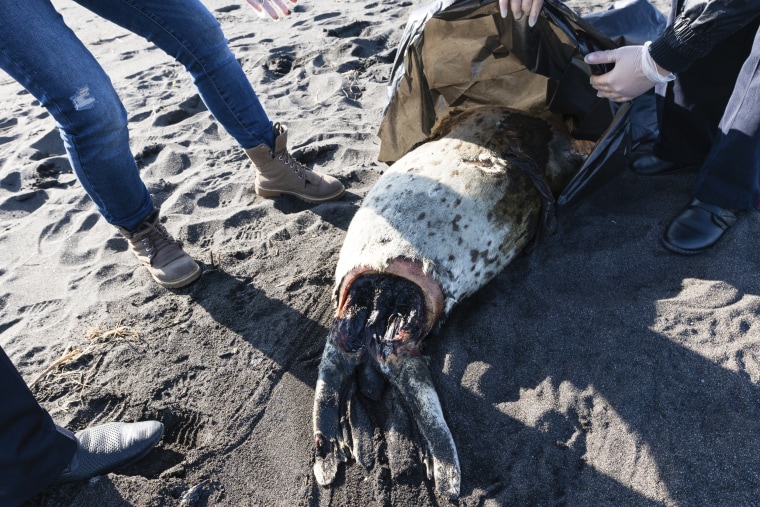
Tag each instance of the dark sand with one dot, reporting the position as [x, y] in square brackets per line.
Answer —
[598, 369]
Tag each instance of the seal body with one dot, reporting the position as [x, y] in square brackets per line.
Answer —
[438, 225]
[452, 213]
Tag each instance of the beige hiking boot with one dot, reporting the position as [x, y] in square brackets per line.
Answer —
[158, 251]
[279, 173]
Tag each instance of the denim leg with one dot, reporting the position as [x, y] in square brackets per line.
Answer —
[730, 176]
[188, 32]
[40, 52]
[33, 450]
[694, 103]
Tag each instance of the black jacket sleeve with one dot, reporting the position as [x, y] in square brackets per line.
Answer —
[698, 29]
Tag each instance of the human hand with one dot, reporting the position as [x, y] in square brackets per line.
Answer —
[519, 7]
[271, 8]
[627, 80]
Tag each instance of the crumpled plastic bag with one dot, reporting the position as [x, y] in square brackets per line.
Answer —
[462, 53]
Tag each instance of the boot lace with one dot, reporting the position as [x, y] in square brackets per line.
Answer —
[296, 166]
[156, 238]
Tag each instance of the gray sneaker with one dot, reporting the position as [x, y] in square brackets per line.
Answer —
[158, 251]
[105, 448]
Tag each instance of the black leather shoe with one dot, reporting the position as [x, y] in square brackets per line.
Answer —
[103, 449]
[648, 164]
[697, 228]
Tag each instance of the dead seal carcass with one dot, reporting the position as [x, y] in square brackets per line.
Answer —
[440, 223]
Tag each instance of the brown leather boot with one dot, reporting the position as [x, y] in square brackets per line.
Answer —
[158, 251]
[279, 173]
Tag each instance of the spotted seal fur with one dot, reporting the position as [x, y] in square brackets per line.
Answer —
[438, 225]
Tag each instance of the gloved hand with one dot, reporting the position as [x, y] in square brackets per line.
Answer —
[635, 72]
[519, 7]
[271, 8]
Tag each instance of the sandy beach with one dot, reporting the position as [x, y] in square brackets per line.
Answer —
[597, 369]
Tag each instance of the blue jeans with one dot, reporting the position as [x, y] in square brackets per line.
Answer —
[40, 52]
[730, 175]
[710, 117]
[33, 450]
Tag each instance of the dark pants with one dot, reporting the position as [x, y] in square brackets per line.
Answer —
[33, 451]
[709, 116]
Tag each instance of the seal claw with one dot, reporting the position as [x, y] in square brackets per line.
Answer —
[328, 457]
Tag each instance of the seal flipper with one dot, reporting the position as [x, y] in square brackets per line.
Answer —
[360, 426]
[411, 377]
[334, 388]
[382, 320]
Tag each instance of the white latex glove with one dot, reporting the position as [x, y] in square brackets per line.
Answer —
[520, 7]
[635, 73]
[272, 8]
